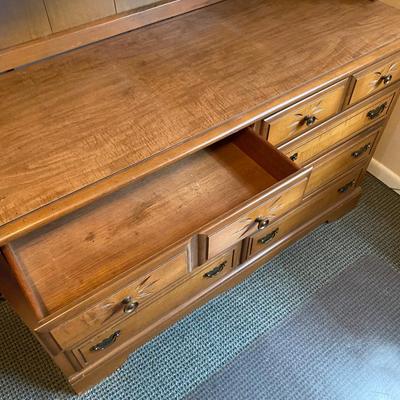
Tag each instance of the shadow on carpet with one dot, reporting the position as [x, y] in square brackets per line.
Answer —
[344, 344]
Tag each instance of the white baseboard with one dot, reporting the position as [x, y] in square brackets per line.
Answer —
[384, 174]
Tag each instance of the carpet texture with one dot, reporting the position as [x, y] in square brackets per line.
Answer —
[344, 344]
[174, 363]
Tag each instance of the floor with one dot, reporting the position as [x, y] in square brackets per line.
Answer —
[175, 362]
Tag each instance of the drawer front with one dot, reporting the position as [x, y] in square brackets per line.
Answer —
[303, 151]
[201, 281]
[303, 214]
[255, 219]
[341, 160]
[375, 78]
[123, 303]
[305, 115]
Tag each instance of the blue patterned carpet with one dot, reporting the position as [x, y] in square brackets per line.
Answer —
[178, 360]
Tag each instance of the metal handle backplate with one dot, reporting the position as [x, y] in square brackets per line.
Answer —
[262, 223]
[361, 150]
[268, 237]
[346, 187]
[294, 156]
[215, 271]
[309, 119]
[372, 114]
[386, 79]
[106, 342]
[129, 304]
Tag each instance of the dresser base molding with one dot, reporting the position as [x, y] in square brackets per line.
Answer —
[93, 374]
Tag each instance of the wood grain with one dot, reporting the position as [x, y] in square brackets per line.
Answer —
[126, 5]
[122, 231]
[63, 41]
[300, 215]
[264, 154]
[340, 160]
[273, 208]
[96, 371]
[143, 290]
[140, 322]
[161, 96]
[291, 122]
[21, 21]
[348, 125]
[371, 80]
[65, 14]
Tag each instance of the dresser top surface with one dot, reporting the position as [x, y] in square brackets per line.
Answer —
[81, 117]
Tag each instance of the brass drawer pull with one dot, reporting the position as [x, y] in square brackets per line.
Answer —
[294, 156]
[309, 120]
[268, 237]
[346, 187]
[262, 223]
[130, 305]
[372, 114]
[106, 342]
[215, 271]
[386, 79]
[359, 152]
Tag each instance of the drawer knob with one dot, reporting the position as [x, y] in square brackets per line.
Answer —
[215, 271]
[130, 305]
[262, 223]
[372, 114]
[268, 237]
[309, 119]
[106, 342]
[346, 187]
[361, 151]
[386, 79]
[294, 156]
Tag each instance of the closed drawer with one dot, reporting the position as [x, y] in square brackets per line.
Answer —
[114, 338]
[304, 115]
[124, 302]
[303, 150]
[256, 219]
[341, 159]
[303, 214]
[375, 78]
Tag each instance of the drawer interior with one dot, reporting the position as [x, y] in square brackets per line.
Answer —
[71, 257]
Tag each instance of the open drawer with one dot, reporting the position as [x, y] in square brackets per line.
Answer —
[285, 190]
[221, 189]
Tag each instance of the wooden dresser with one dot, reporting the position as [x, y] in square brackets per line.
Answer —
[144, 174]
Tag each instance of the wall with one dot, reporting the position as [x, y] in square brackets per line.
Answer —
[386, 162]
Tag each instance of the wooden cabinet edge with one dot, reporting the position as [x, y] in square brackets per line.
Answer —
[13, 270]
[18, 298]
